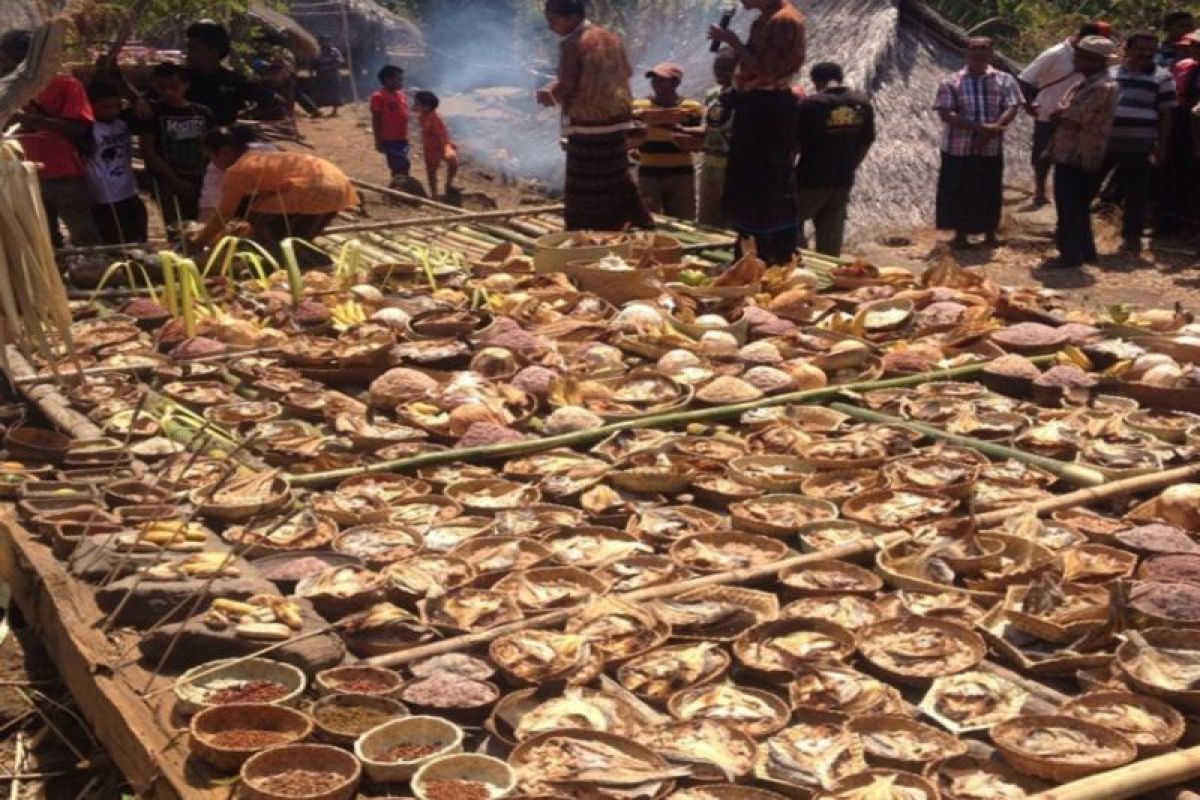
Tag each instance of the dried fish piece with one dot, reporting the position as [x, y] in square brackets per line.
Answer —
[661, 673]
[639, 572]
[722, 552]
[752, 711]
[849, 611]
[598, 768]
[832, 577]
[472, 609]
[618, 629]
[549, 587]
[901, 742]
[974, 699]
[589, 547]
[844, 690]
[708, 748]
[538, 656]
[577, 709]
[810, 755]
[1172, 668]
[973, 778]
[427, 577]
[697, 618]
[785, 645]
[869, 786]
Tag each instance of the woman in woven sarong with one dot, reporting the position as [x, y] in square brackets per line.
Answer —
[593, 91]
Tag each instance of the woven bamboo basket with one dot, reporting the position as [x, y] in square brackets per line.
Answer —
[291, 726]
[328, 733]
[943, 744]
[194, 686]
[316, 757]
[1008, 736]
[432, 731]
[1147, 744]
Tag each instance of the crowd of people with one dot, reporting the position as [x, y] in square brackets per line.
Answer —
[204, 168]
[772, 158]
[1115, 121]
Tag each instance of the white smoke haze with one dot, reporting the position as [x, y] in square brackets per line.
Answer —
[489, 56]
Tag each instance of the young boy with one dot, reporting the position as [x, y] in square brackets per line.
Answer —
[666, 172]
[389, 122]
[436, 142]
[173, 144]
[119, 213]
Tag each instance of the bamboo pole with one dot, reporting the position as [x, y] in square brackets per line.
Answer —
[1094, 494]
[809, 397]
[652, 593]
[1133, 780]
[445, 219]
[1072, 473]
[396, 194]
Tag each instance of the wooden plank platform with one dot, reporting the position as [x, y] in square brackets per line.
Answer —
[139, 737]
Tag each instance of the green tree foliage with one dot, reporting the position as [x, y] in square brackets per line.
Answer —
[1025, 27]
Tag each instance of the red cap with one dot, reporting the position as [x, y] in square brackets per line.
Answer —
[668, 70]
[1103, 28]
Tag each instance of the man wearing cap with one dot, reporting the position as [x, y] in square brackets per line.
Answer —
[976, 104]
[1045, 82]
[760, 188]
[1083, 122]
[666, 172]
[1141, 131]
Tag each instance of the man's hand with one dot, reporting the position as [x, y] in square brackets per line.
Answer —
[723, 35]
[990, 129]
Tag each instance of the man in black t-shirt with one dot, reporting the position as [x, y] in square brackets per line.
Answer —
[173, 144]
[837, 129]
[222, 91]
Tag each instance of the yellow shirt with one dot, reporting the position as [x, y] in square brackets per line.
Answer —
[285, 183]
[658, 154]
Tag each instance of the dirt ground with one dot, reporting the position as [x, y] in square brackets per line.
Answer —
[346, 140]
[37, 719]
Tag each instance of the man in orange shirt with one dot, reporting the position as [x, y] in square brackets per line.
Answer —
[760, 193]
[436, 143]
[280, 194]
[389, 122]
[51, 128]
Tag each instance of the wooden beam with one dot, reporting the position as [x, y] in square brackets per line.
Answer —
[48, 399]
[63, 614]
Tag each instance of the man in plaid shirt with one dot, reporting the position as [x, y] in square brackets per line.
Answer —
[976, 105]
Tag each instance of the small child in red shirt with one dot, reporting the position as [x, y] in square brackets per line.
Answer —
[389, 121]
[436, 142]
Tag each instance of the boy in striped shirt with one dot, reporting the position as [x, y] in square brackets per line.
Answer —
[1141, 131]
[666, 171]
